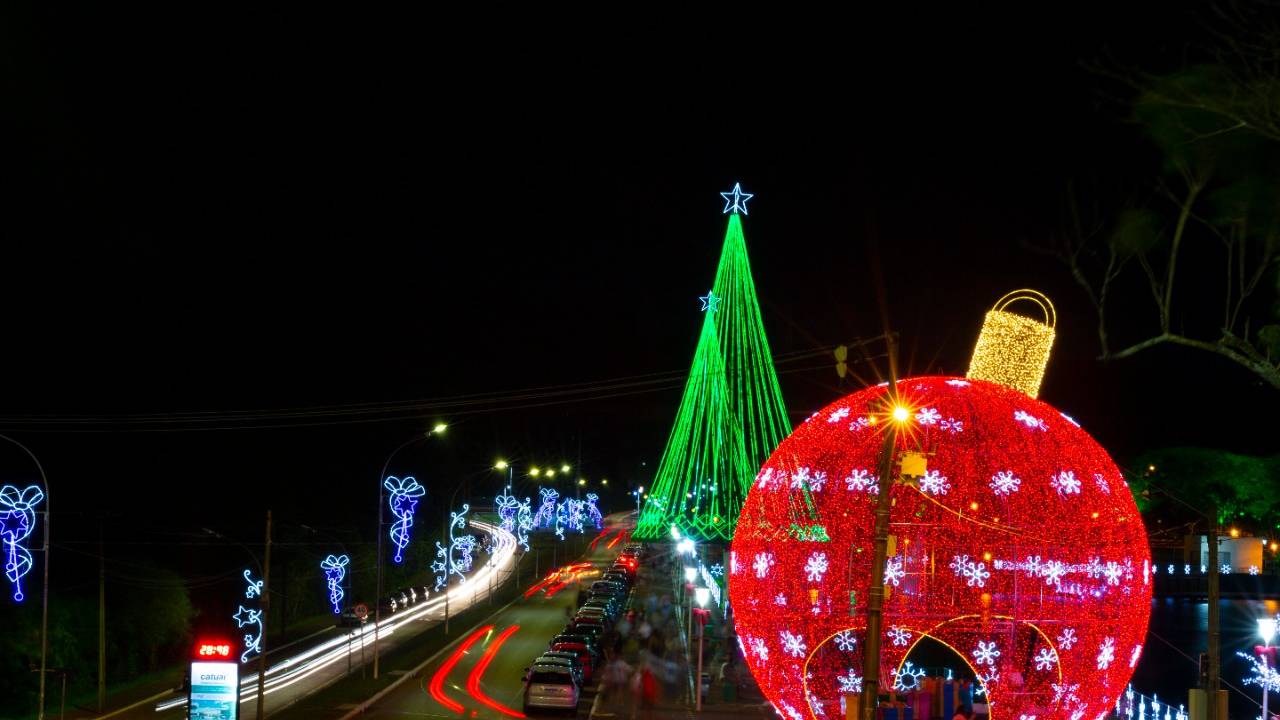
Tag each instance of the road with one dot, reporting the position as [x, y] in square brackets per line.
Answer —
[481, 674]
[323, 659]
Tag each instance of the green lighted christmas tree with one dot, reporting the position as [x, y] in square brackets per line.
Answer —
[731, 415]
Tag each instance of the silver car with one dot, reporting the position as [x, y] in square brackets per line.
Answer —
[550, 687]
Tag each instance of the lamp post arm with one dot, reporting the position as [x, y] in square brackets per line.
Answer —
[44, 600]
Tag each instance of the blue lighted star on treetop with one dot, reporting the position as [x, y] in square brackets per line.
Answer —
[710, 302]
[735, 200]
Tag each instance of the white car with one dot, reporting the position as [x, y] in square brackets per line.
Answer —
[550, 687]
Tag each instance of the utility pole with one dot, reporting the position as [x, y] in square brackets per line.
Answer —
[102, 622]
[875, 596]
[1215, 631]
[266, 605]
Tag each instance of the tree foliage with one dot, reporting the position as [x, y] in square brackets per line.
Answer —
[1200, 248]
[1235, 488]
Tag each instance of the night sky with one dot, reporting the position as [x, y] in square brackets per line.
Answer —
[261, 210]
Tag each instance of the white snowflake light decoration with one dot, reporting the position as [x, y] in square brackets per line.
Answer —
[1102, 483]
[859, 424]
[762, 563]
[799, 478]
[1224, 569]
[1045, 659]
[1065, 483]
[815, 566]
[893, 571]
[838, 415]
[927, 416]
[1067, 638]
[859, 481]
[818, 481]
[1005, 482]
[1113, 571]
[759, 648]
[976, 574]
[986, 653]
[845, 641]
[958, 383]
[762, 480]
[1030, 420]
[899, 636]
[934, 483]
[793, 644]
[1253, 569]
[1053, 572]
[1106, 653]
[952, 425]
[1065, 692]
[779, 599]
[850, 682]
[907, 680]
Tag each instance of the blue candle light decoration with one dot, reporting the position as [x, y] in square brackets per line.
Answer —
[17, 522]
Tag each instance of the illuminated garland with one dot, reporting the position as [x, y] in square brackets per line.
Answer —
[335, 569]
[17, 522]
[250, 617]
[403, 500]
[731, 415]
[1020, 549]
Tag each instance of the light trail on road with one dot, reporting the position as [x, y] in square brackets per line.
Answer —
[436, 687]
[302, 665]
[473, 681]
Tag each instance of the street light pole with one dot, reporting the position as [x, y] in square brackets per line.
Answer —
[377, 600]
[1267, 629]
[44, 599]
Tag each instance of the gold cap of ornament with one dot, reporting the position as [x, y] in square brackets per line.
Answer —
[1014, 349]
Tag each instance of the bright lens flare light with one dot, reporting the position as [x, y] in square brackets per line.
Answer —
[901, 414]
[1267, 629]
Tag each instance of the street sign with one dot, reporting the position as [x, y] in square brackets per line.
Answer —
[362, 611]
[214, 692]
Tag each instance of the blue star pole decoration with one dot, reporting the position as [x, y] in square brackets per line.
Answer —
[735, 200]
[244, 617]
[710, 302]
[17, 521]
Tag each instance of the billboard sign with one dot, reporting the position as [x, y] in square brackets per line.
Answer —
[215, 691]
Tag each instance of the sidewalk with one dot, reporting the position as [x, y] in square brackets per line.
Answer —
[656, 638]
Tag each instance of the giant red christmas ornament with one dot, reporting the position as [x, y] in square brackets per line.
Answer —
[1021, 549]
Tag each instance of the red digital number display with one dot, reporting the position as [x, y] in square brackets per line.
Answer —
[213, 650]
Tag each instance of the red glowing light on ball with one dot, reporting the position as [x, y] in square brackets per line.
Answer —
[1044, 590]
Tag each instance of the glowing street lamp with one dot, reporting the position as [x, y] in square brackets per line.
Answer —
[564, 469]
[534, 472]
[690, 574]
[1267, 631]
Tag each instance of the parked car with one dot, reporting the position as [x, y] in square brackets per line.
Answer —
[410, 595]
[584, 668]
[563, 660]
[584, 651]
[550, 687]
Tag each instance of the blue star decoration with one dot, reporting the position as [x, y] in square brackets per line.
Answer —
[735, 200]
[710, 302]
[245, 616]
